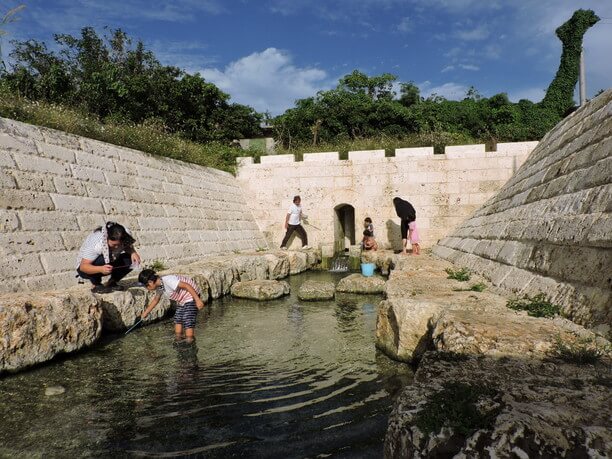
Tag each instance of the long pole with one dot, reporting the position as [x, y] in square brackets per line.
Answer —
[582, 81]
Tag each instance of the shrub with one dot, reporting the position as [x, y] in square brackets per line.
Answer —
[156, 265]
[462, 274]
[583, 351]
[537, 306]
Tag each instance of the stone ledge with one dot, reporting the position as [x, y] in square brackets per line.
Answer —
[36, 327]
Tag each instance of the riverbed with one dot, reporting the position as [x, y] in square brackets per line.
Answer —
[283, 378]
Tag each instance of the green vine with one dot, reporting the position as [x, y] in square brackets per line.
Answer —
[560, 94]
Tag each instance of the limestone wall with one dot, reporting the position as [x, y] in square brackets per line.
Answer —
[549, 229]
[445, 189]
[56, 188]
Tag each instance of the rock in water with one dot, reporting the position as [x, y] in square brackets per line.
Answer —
[316, 291]
[357, 283]
[54, 390]
[260, 290]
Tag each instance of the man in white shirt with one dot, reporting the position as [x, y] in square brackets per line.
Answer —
[293, 222]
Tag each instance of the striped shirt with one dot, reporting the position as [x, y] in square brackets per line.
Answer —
[174, 292]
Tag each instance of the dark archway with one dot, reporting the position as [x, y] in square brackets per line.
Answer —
[344, 227]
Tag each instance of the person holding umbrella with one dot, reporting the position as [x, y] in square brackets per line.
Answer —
[407, 213]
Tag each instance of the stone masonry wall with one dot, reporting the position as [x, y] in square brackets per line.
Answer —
[55, 188]
[445, 189]
[549, 229]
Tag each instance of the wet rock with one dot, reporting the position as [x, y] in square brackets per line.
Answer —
[122, 309]
[357, 283]
[316, 291]
[260, 290]
[468, 406]
[35, 327]
[54, 390]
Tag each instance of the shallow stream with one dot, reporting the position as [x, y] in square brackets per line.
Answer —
[278, 379]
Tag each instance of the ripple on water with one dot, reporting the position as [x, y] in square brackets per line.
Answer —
[276, 379]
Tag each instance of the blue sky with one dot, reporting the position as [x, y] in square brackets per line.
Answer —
[268, 53]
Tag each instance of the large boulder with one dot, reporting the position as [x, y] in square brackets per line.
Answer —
[219, 273]
[260, 290]
[35, 327]
[249, 267]
[316, 291]
[278, 266]
[122, 309]
[476, 406]
[357, 283]
[300, 260]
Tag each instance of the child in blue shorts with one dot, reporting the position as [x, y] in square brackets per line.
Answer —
[183, 291]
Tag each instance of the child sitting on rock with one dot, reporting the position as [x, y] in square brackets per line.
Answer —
[181, 289]
[369, 243]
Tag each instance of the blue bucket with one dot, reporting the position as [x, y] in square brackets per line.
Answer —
[367, 269]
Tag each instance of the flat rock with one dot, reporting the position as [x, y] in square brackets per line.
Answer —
[357, 283]
[316, 291]
[260, 290]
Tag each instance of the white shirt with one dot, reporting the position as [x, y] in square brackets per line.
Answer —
[92, 247]
[295, 213]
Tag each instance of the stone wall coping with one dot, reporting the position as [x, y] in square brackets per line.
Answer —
[401, 154]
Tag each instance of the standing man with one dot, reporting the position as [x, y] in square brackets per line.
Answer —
[293, 222]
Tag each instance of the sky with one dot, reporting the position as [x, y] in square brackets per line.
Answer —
[269, 53]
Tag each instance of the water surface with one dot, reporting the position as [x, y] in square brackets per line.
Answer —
[278, 379]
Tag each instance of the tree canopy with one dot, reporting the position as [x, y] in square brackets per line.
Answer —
[109, 77]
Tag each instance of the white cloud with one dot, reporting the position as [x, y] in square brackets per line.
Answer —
[268, 81]
[450, 90]
[448, 68]
[405, 25]
[473, 34]
[471, 67]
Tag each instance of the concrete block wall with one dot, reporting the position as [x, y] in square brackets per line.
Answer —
[549, 229]
[55, 188]
[445, 189]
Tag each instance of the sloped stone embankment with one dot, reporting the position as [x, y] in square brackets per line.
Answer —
[549, 229]
[36, 327]
[490, 381]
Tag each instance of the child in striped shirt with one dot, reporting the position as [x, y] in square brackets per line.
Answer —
[183, 291]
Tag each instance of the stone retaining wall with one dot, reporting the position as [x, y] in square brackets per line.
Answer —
[549, 229]
[444, 188]
[55, 188]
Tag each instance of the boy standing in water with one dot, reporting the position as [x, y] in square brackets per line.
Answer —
[181, 289]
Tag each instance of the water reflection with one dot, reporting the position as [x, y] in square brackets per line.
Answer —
[277, 379]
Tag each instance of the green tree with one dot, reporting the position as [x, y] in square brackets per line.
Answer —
[560, 94]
